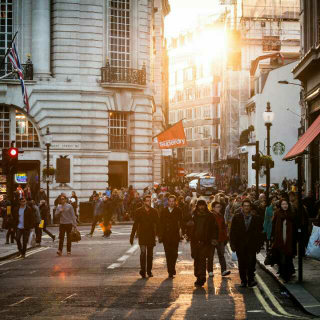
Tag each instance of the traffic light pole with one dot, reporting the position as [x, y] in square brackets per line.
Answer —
[257, 171]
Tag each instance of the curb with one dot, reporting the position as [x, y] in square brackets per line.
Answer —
[307, 302]
[15, 254]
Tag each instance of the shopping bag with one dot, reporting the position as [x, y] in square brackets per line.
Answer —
[313, 249]
[41, 224]
[75, 235]
[234, 256]
[32, 239]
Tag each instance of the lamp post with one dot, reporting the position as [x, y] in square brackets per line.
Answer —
[268, 117]
[48, 141]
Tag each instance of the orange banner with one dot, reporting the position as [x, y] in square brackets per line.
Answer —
[173, 137]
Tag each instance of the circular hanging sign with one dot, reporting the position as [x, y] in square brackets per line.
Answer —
[278, 148]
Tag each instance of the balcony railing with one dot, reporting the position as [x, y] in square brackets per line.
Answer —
[111, 74]
[27, 70]
[119, 142]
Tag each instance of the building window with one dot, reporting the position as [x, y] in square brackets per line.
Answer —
[180, 115]
[187, 74]
[206, 132]
[26, 134]
[207, 90]
[4, 127]
[118, 131]
[188, 133]
[119, 33]
[197, 113]
[188, 94]
[5, 27]
[179, 96]
[200, 71]
[189, 155]
[205, 155]
[197, 155]
[189, 114]
[206, 111]
[197, 92]
[197, 133]
[179, 76]
[172, 117]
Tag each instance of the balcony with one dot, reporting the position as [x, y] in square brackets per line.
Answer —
[27, 70]
[119, 142]
[123, 76]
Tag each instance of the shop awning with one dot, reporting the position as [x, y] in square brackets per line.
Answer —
[312, 132]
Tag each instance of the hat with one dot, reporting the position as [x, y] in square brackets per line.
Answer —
[201, 202]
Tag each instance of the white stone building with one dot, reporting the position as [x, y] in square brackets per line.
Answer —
[99, 70]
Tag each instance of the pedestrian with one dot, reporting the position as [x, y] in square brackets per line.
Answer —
[91, 198]
[44, 210]
[229, 213]
[23, 222]
[222, 241]
[135, 205]
[284, 184]
[67, 220]
[107, 216]
[97, 213]
[41, 195]
[74, 203]
[203, 232]
[261, 211]
[9, 226]
[147, 221]
[245, 240]
[267, 223]
[171, 221]
[284, 234]
[31, 203]
[4, 204]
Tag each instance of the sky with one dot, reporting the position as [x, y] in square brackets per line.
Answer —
[184, 14]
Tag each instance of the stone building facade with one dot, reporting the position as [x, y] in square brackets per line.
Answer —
[97, 83]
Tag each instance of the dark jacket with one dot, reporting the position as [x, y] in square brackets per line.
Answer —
[170, 224]
[44, 210]
[242, 239]
[148, 224]
[40, 196]
[29, 218]
[211, 227]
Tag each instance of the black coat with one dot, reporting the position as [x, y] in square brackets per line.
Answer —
[170, 224]
[211, 230]
[242, 239]
[148, 224]
[29, 218]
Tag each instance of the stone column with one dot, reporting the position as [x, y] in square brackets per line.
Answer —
[41, 38]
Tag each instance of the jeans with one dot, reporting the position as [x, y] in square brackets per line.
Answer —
[65, 229]
[94, 223]
[171, 250]
[24, 233]
[247, 266]
[47, 232]
[146, 256]
[10, 234]
[200, 253]
[222, 260]
[38, 233]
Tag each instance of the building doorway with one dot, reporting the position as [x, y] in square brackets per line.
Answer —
[118, 174]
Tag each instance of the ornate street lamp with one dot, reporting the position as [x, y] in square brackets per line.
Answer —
[268, 117]
[48, 140]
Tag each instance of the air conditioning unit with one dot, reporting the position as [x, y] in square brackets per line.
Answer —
[243, 150]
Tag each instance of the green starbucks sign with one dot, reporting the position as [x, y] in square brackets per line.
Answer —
[278, 148]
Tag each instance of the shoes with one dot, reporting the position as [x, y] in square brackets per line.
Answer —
[54, 239]
[89, 235]
[170, 275]
[243, 285]
[59, 253]
[23, 256]
[252, 284]
[226, 273]
[142, 274]
[150, 275]
[38, 244]
[199, 283]
[211, 275]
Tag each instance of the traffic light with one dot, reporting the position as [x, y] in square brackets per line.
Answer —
[256, 162]
[13, 154]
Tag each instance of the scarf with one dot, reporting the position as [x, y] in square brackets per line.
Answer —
[279, 243]
[247, 219]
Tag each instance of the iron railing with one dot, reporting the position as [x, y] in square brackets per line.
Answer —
[111, 74]
[27, 70]
[119, 142]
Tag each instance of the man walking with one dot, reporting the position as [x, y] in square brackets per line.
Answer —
[222, 240]
[171, 221]
[147, 220]
[97, 213]
[203, 232]
[245, 240]
[23, 221]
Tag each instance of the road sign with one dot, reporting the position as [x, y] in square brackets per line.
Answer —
[181, 172]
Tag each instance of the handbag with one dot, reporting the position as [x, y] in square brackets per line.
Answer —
[32, 239]
[75, 235]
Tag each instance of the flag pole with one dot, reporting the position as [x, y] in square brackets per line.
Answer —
[8, 50]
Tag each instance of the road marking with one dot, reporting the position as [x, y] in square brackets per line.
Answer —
[274, 301]
[33, 272]
[68, 297]
[114, 265]
[264, 302]
[123, 258]
[12, 305]
[162, 253]
[133, 249]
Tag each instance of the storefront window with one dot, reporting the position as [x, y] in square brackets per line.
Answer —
[26, 134]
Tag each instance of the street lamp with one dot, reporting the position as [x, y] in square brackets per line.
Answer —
[48, 140]
[268, 117]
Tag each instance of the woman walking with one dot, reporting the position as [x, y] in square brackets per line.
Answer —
[74, 203]
[44, 216]
[284, 231]
[67, 220]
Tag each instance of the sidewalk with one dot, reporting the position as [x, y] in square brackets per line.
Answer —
[307, 293]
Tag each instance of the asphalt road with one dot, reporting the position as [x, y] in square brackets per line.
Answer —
[100, 280]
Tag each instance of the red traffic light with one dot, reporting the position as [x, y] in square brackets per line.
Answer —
[13, 152]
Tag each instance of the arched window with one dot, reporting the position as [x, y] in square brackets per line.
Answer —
[26, 135]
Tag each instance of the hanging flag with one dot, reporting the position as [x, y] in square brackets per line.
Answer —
[173, 137]
[14, 58]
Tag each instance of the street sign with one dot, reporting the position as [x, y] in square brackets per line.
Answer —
[181, 172]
